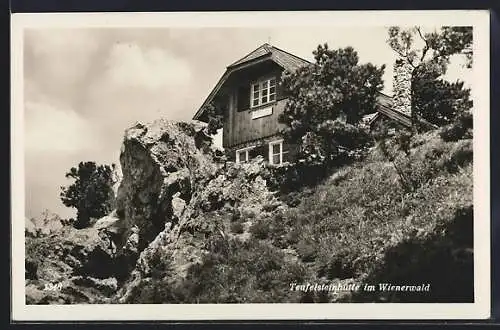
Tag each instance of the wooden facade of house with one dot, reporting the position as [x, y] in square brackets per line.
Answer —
[251, 94]
[252, 98]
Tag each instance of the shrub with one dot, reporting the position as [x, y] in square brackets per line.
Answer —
[237, 227]
[250, 272]
[346, 226]
[260, 229]
[92, 192]
[306, 250]
[461, 128]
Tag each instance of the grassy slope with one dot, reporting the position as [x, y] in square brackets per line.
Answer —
[361, 225]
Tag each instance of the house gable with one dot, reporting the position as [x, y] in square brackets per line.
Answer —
[263, 54]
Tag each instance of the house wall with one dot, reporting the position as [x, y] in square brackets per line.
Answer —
[239, 127]
[247, 129]
[261, 148]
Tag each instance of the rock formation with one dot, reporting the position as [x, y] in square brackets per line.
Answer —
[175, 196]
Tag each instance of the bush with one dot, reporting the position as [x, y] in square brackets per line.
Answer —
[444, 252]
[347, 226]
[260, 229]
[461, 128]
[92, 192]
[237, 227]
[247, 272]
[306, 250]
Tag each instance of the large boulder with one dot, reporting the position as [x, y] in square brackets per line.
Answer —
[204, 218]
[160, 160]
[55, 257]
[46, 223]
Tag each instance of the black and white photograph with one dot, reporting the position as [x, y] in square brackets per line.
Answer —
[251, 165]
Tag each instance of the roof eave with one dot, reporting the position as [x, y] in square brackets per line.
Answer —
[229, 70]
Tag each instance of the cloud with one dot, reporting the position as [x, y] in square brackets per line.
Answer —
[59, 56]
[49, 129]
[151, 68]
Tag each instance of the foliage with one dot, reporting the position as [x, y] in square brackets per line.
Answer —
[445, 252]
[351, 222]
[260, 229]
[439, 101]
[360, 224]
[461, 128]
[433, 98]
[237, 227]
[215, 118]
[91, 193]
[326, 101]
[232, 272]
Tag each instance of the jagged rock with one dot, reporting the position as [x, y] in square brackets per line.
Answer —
[47, 223]
[184, 242]
[107, 286]
[178, 205]
[158, 160]
[55, 258]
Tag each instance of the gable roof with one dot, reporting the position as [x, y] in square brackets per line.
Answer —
[264, 52]
[283, 58]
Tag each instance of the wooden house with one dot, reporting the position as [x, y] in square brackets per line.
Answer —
[250, 94]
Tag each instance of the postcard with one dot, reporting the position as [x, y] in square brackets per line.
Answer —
[250, 166]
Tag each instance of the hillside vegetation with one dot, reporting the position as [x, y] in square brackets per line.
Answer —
[189, 228]
[361, 225]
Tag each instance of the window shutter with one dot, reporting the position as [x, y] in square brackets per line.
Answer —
[243, 98]
[280, 91]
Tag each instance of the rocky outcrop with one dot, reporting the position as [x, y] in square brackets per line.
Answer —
[158, 161]
[45, 224]
[180, 197]
[176, 197]
[63, 264]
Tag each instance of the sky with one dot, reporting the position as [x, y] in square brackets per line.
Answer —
[83, 87]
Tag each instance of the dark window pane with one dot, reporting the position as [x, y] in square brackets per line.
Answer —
[276, 159]
[264, 99]
[272, 97]
[276, 149]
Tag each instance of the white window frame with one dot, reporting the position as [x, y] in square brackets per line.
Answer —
[246, 150]
[281, 152]
[260, 85]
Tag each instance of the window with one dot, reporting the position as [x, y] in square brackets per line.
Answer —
[263, 92]
[243, 155]
[277, 154]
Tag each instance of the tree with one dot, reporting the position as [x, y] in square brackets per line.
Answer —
[428, 54]
[215, 118]
[326, 101]
[91, 193]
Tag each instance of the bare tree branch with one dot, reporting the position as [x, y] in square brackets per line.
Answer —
[426, 47]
